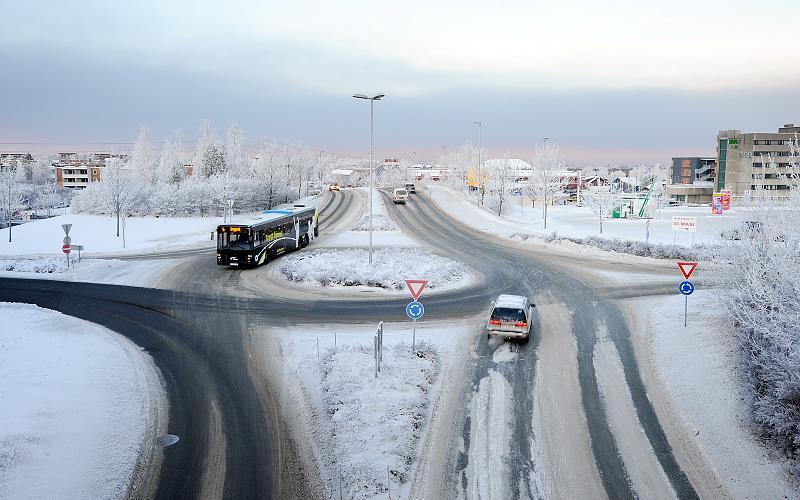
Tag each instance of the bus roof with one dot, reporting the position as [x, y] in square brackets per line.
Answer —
[268, 216]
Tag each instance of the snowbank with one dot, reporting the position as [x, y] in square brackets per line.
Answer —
[44, 265]
[376, 422]
[78, 406]
[697, 366]
[380, 222]
[389, 269]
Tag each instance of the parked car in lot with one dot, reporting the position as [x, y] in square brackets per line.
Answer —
[410, 187]
[334, 187]
[510, 317]
[400, 195]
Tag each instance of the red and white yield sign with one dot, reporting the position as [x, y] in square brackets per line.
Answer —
[65, 249]
[687, 268]
[416, 287]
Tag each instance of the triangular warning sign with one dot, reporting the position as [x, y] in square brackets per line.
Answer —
[687, 268]
[416, 287]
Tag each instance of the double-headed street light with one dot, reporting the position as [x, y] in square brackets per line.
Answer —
[372, 99]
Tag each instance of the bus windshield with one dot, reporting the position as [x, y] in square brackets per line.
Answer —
[234, 241]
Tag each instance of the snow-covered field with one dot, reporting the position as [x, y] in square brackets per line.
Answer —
[389, 268]
[372, 433]
[98, 234]
[574, 221]
[697, 365]
[79, 405]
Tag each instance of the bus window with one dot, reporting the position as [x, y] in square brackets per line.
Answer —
[234, 241]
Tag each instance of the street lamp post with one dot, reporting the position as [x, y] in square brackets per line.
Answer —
[376, 97]
[480, 164]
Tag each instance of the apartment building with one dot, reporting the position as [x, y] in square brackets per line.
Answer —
[76, 171]
[752, 161]
[692, 179]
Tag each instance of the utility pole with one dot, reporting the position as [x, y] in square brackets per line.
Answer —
[480, 163]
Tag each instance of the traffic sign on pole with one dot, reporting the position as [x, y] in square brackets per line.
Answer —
[686, 287]
[65, 248]
[67, 240]
[416, 287]
[687, 268]
[66, 228]
[415, 310]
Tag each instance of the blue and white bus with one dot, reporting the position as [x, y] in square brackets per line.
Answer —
[253, 241]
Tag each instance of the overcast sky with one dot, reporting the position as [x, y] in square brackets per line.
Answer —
[615, 81]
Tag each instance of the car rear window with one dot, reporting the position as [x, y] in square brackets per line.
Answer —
[400, 192]
[508, 314]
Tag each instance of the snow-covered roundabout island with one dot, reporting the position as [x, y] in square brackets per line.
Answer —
[81, 408]
[350, 267]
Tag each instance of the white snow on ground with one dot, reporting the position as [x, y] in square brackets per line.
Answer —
[97, 234]
[376, 421]
[77, 406]
[380, 222]
[46, 265]
[363, 436]
[389, 268]
[571, 220]
[491, 410]
[697, 366]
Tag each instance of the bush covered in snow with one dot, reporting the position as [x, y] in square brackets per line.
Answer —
[761, 273]
[389, 268]
[377, 422]
[633, 247]
[44, 265]
[380, 222]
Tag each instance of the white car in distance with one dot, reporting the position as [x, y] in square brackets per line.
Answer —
[510, 317]
[400, 195]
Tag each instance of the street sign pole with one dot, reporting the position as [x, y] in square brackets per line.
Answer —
[414, 335]
[685, 309]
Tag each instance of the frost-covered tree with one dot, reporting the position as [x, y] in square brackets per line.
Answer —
[548, 174]
[266, 170]
[143, 159]
[500, 181]
[10, 196]
[170, 165]
[601, 200]
[235, 159]
[213, 162]
[759, 273]
[117, 190]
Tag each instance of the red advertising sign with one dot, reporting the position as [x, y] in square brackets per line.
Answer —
[726, 199]
[716, 204]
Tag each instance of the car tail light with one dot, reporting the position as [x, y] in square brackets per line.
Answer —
[522, 324]
[494, 321]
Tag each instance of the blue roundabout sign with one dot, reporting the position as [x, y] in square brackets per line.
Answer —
[414, 310]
